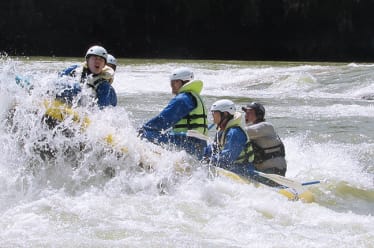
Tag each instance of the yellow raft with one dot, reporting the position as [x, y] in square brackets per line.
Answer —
[293, 193]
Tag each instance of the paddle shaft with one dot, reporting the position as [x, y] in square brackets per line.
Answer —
[311, 183]
[279, 180]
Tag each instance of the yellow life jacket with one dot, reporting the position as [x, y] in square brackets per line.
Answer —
[197, 118]
[246, 155]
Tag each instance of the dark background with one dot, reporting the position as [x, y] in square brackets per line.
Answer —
[308, 30]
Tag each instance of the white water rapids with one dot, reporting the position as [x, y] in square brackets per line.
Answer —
[323, 113]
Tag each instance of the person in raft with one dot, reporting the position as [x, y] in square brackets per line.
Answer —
[231, 148]
[186, 111]
[95, 74]
[269, 152]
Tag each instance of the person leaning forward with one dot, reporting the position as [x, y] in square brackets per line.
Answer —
[186, 111]
[269, 152]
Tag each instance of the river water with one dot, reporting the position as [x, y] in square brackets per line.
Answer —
[322, 111]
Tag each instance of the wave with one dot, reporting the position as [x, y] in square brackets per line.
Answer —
[70, 196]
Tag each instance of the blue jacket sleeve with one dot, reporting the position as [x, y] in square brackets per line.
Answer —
[106, 95]
[180, 106]
[235, 142]
[66, 92]
[70, 71]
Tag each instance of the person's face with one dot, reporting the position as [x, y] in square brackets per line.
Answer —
[250, 116]
[95, 64]
[216, 117]
[175, 86]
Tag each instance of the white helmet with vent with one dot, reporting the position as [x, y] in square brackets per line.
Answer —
[97, 51]
[111, 60]
[224, 105]
[184, 74]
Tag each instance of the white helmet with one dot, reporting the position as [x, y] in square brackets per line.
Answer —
[224, 106]
[98, 51]
[184, 74]
[111, 60]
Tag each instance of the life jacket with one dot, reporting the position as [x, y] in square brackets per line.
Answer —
[197, 118]
[107, 74]
[98, 86]
[262, 154]
[246, 155]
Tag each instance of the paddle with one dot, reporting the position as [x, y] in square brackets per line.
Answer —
[196, 134]
[279, 179]
[286, 182]
[311, 183]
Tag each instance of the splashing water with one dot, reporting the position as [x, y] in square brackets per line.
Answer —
[76, 189]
